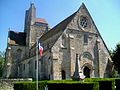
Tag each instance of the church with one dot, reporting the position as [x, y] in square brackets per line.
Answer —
[75, 35]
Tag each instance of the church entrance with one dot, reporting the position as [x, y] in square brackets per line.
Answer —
[86, 72]
[63, 75]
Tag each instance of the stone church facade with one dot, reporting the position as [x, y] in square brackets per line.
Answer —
[76, 35]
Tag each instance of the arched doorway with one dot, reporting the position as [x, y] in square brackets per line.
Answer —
[86, 72]
[63, 74]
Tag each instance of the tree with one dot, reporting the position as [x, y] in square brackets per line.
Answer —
[2, 59]
[115, 55]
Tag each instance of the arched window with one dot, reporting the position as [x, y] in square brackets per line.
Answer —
[83, 21]
[87, 55]
[19, 53]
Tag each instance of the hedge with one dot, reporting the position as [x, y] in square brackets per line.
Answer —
[104, 83]
[87, 84]
[117, 83]
[73, 86]
[29, 85]
[56, 85]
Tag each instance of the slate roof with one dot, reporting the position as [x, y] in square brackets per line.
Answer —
[17, 38]
[59, 27]
[40, 20]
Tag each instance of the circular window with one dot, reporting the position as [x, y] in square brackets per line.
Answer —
[83, 22]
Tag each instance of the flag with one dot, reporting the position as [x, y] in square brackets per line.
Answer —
[40, 49]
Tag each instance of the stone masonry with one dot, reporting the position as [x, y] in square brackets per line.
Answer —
[77, 34]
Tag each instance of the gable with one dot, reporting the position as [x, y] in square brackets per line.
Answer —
[83, 22]
[75, 22]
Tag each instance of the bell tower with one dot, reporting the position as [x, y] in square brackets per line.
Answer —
[34, 27]
[30, 16]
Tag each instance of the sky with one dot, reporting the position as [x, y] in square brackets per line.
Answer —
[105, 13]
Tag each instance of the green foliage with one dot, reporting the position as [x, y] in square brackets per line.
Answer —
[73, 86]
[87, 84]
[29, 85]
[98, 79]
[2, 57]
[115, 55]
[56, 83]
[103, 82]
[117, 83]
[24, 86]
[63, 81]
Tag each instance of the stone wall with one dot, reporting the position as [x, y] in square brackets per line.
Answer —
[14, 54]
[7, 84]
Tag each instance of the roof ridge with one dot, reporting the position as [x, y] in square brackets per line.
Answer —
[56, 29]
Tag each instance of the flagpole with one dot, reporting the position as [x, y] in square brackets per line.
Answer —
[37, 64]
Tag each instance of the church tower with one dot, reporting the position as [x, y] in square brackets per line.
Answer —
[20, 43]
[29, 21]
[34, 27]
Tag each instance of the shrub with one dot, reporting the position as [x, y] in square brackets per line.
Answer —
[56, 85]
[87, 84]
[117, 83]
[29, 85]
[73, 86]
[103, 82]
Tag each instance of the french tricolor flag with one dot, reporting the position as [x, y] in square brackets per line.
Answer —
[40, 49]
